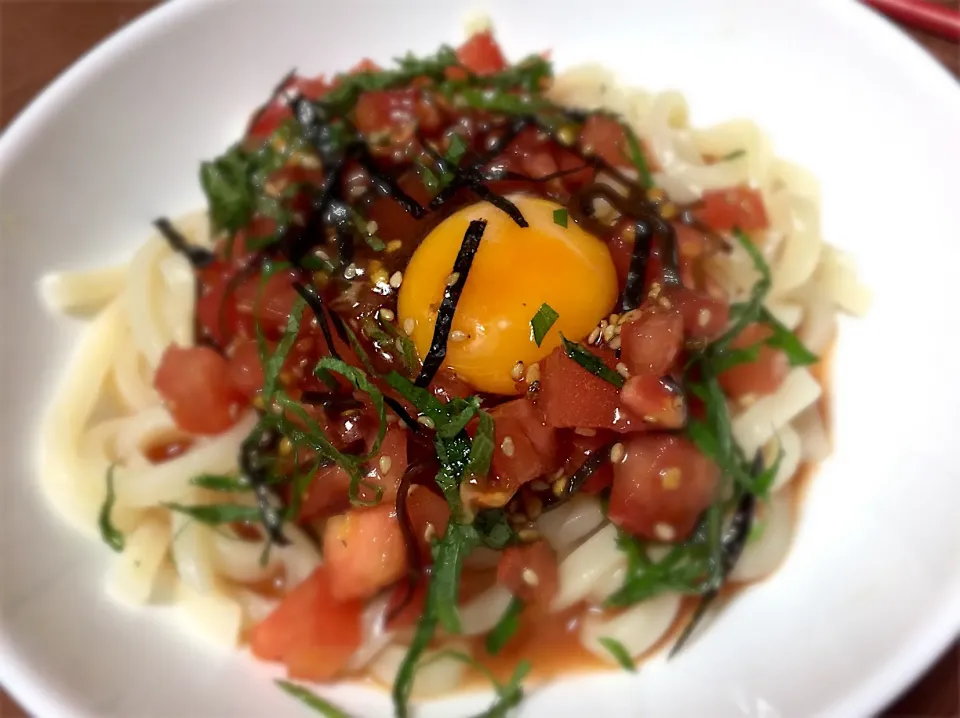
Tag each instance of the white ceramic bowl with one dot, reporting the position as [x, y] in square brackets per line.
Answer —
[871, 592]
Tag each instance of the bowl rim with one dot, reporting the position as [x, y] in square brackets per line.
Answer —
[934, 632]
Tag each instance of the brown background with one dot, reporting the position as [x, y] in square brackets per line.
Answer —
[39, 39]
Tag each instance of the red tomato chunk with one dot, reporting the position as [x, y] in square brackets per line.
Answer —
[756, 378]
[650, 344]
[572, 397]
[481, 54]
[312, 632]
[661, 487]
[740, 207]
[195, 386]
[364, 551]
[530, 572]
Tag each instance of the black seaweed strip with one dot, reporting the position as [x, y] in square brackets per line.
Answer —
[199, 257]
[732, 545]
[633, 288]
[312, 298]
[671, 258]
[587, 469]
[410, 540]
[501, 203]
[387, 185]
[448, 307]
[251, 467]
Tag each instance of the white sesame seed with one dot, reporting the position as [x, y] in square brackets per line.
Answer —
[457, 336]
[453, 278]
[506, 446]
[409, 324]
[517, 372]
[372, 227]
[320, 254]
[429, 532]
[396, 279]
[584, 432]
[387, 315]
[665, 303]
[594, 335]
[426, 421]
[385, 463]
[614, 343]
[622, 370]
[530, 577]
[533, 373]
[747, 400]
[603, 324]
[351, 271]
[393, 245]
[671, 478]
[528, 535]
[664, 532]
[703, 316]
[617, 453]
[613, 318]
[654, 290]
[609, 332]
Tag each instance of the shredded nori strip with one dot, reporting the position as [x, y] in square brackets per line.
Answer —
[315, 302]
[633, 288]
[734, 539]
[252, 469]
[199, 257]
[451, 295]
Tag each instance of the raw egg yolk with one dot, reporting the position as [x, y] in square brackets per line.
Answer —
[515, 270]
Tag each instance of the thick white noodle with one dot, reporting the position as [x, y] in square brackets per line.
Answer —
[814, 439]
[168, 481]
[436, 673]
[375, 636]
[762, 556]
[83, 291]
[240, 560]
[481, 613]
[214, 614]
[578, 571]
[136, 569]
[637, 628]
[566, 525]
[786, 445]
[762, 419]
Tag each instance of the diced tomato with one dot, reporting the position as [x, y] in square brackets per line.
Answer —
[384, 109]
[740, 207]
[195, 386]
[759, 377]
[659, 401]
[650, 344]
[704, 317]
[621, 249]
[567, 161]
[392, 220]
[426, 508]
[269, 120]
[245, 369]
[364, 551]
[661, 487]
[530, 572]
[481, 54]
[604, 137]
[515, 460]
[268, 302]
[329, 490]
[313, 88]
[216, 309]
[365, 65]
[412, 608]
[581, 448]
[310, 631]
[570, 396]
[543, 437]
[446, 386]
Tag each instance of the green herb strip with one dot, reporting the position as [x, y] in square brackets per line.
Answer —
[215, 482]
[216, 514]
[619, 652]
[506, 627]
[635, 152]
[591, 362]
[311, 700]
[108, 532]
[560, 217]
[542, 321]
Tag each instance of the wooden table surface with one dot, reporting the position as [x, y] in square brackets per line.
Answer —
[40, 38]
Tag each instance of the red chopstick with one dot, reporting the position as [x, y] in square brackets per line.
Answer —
[922, 15]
